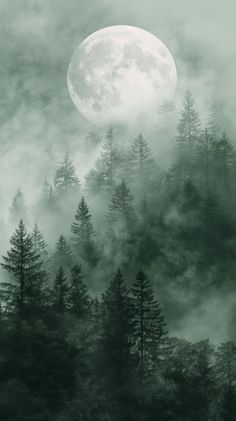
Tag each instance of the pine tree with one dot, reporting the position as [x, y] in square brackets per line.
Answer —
[149, 324]
[78, 299]
[110, 159]
[188, 137]
[60, 292]
[203, 379]
[218, 122]
[18, 209]
[66, 180]
[204, 159]
[141, 160]
[63, 254]
[40, 246]
[95, 309]
[25, 265]
[224, 161]
[226, 372]
[120, 209]
[83, 233]
[82, 227]
[115, 342]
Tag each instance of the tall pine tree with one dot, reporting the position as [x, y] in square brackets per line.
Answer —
[149, 323]
[141, 161]
[226, 372]
[40, 246]
[83, 232]
[115, 341]
[78, 299]
[60, 292]
[23, 262]
[110, 160]
[120, 209]
[63, 254]
[189, 131]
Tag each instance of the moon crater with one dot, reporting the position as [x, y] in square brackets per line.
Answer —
[120, 74]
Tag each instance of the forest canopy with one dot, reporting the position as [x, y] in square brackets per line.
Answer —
[100, 273]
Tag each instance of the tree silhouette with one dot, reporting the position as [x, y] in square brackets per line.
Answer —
[115, 342]
[63, 254]
[188, 136]
[120, 208]
[39, 244]
[149, 323]
[141, 161]
[78, 299]
[23, 262]
[110, 159]
[60, 292]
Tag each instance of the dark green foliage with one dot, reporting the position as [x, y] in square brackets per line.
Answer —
[190, 367]
[226, 372]
[63, 254]
[40, 246]
[69, 352]
[83, 232]
[120, 209]
[79, 302]
[60, 292]
[23, 262]
[38, 371]
[82, 228]
[149, 324]
[115, 342]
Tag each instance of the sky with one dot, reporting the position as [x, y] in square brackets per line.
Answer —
[38, 119]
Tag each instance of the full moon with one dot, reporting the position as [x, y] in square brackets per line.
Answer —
[121, 75]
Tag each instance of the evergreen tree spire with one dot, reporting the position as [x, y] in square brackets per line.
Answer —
[149, 324]
[83, 232]
[60, 292]
[78, 298]
[63, 254]
[116, 332]
[140, 159]
[189, 130]
[120, 209]
[40, 246]
[110, 159]
[82, 227]
[25, 265]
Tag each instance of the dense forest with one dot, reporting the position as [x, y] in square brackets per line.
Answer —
[98, 274]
